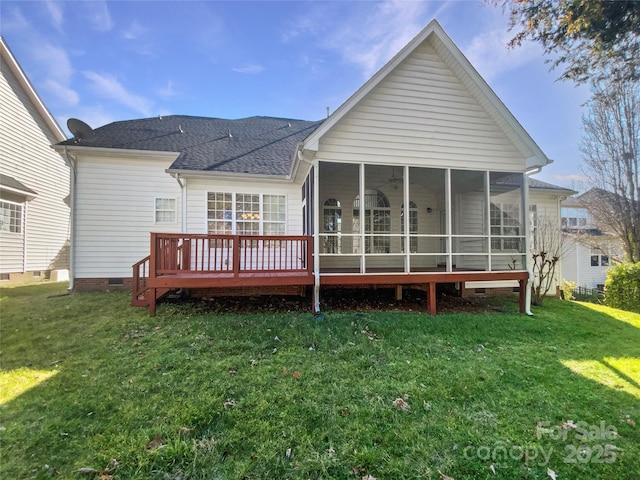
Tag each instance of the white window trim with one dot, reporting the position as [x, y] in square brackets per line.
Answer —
[156, 210]
[22, 218]
[234, 225]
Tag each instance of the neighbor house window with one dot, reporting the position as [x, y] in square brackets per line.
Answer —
[165, 210]
[246, 213]
[505, 222]
[11, 217]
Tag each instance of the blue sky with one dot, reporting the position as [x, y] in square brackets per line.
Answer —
[103, 61]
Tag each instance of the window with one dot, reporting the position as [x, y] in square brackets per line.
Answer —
[10, 217]
[220, 213]
[332, 223]
[533, 226]
[505, 222]
[413, 226]
[246, 213]
[274, 209]
[595, 260]
[165, 210]
[376, 219]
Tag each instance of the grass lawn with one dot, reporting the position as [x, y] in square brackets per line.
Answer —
[93, 388]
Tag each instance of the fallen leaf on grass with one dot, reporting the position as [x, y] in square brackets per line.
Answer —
[229, 403]
[233, 372]
[402, 404]
[568, 424]
[368, 477]
[552, 474]
[296, 375]
[630, 420]
[492, 468]
[445, 477]
[157, 441]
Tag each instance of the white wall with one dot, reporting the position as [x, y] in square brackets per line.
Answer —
[25, 155]
[115, 211]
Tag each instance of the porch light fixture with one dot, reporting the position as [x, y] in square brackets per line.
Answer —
[429, 209]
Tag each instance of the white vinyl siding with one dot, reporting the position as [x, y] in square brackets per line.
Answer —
[421, 114]
[115, 213]
[26, 155]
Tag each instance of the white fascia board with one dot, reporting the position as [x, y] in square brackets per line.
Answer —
[229, 176]
[116, 152]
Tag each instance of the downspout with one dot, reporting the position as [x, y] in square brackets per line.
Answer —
[316, 235]
[25, 232]
[527, 246]
[72, 218]
[183, 201]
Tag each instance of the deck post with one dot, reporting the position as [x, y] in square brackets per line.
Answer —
[236, 255]
[399, 292]
[153, 269]
[523, 294]
[431, 298]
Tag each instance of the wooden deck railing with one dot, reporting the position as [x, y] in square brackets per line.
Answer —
[179, 255]
[205, 254]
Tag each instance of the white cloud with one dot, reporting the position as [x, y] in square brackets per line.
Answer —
[98, 15]
[55, 61]
[166, 91]
[107, 86]
[64, 93]
[249, 68]
[55, 10]
[134, 31]
[489, 54]
[383, 29]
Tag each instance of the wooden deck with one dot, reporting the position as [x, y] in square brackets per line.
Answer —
[180, 261]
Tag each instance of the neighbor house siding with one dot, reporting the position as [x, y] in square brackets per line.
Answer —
[421, 114]
[26, 155]
[115, 212]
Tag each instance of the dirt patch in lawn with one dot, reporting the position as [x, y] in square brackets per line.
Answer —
[354, 299]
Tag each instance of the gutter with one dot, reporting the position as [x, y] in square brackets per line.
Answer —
[527, 247]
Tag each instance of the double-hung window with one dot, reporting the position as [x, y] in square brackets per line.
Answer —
[11, 217]
[165, 210]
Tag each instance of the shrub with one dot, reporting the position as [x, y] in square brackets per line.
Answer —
[567, 289]
[622, 287]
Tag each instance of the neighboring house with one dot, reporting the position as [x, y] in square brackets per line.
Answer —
[419, 178]
[588, 251]
[34, 182]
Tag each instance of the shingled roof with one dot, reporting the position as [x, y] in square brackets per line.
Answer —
[255, 145]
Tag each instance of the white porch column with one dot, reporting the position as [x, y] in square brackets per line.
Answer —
[527, 246]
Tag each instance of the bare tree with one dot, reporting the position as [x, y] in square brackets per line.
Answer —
[545, 249]
[611, 150]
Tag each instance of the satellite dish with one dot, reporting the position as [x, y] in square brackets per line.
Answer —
[80, 130]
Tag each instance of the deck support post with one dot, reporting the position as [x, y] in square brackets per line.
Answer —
[398, 292]
[152, 301]
[431, 298]
[523, 295]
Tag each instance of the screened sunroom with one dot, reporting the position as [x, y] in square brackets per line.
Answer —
[403, 219]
